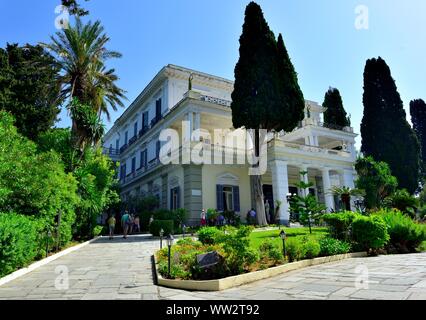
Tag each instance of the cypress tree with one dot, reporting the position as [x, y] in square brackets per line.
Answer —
[386, 134]
[418, 118]
[266, 93]
[335, 114]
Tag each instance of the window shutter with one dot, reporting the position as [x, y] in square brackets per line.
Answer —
[219, 197]
[236, 196]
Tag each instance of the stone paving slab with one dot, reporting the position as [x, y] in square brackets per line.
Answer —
[122, 269]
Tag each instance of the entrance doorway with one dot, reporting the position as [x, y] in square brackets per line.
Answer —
[268, 193]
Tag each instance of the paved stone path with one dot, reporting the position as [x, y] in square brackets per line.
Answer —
[121, 269]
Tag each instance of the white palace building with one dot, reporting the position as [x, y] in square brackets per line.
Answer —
[195, 104]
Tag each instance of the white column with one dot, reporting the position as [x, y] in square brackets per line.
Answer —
[187, 128]
[305, 179]
[197, 126]
[280, 186]
[328, 196]
[348, 179]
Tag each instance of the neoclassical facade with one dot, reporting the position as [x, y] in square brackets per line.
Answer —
[196, 106]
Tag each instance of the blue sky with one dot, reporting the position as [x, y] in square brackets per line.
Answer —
[320, 35]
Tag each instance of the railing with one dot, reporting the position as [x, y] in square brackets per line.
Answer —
[111, 151]
[311, 149]
[215, 100]
[133, 140]
[123, 148]
[314, 122]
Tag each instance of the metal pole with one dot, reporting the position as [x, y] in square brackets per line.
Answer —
[161, 242]
[284, 249]
[169, 261]
[47, 244]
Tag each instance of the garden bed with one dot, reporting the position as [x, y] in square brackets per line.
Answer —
[235, 281]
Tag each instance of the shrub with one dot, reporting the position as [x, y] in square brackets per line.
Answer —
[403, 201]
[238, 253]
[339, 223]
[210, 235]
[311, 248]
[97, 230]
[270, 250]
[157, 225]
[163, 214]
[179, 216]
[405, 234]
[19, 241]
[232, 218]
[370, 232]
[331, 247]
[295, 249]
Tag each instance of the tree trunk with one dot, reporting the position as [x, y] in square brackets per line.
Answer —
[258, 190]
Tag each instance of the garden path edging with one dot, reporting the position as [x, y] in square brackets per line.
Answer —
[235, 281]
[19, 273]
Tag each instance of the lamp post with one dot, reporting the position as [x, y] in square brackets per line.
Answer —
[283, 237]
[161, 238]
[169, 244]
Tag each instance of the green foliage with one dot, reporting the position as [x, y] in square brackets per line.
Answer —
[58, 140]
[331, 247]
[157, 225]
[306, 209]
[418, 118]
[238, 253]
[340, 223]
[180, 215]
[19, 242]
[295, 249]
[28, 88]
[386, 134]
[144, 207]
[210, 235]
[311, 248]
[405, 234]
[403, 201]
[376, 180]
[370, 232]
[270, 250]
[32, 183]
[266, 93]
[74, 7]
[335, 114]
[97, 230]
[232, 218]
[96, 190]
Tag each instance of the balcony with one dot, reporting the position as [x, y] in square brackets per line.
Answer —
[133, 140]
[308, 150]
[156, 120]
[315, 122]
[123, 148]
[143, 131]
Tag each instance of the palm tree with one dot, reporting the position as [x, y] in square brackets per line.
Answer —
[81, 54]
[345, 194]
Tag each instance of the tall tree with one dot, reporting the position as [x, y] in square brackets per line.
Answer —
[74, 8]
[28, 88]
[266, 93]
[82, 54]
[335, 114]
[386, 134]
[418, 118]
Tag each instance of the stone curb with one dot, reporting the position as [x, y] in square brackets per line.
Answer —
[235, 281]
[19, 273]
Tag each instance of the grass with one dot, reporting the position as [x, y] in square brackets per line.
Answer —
[256, 238]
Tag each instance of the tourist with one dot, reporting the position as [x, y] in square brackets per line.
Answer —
[136, 225]
[125, 223]
[111, 224]
[221, 219]
[252, 216]
[203, 218]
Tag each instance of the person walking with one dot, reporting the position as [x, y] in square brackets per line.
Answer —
[111, 224]
[125, 223]
[203, 218]
[136, 225]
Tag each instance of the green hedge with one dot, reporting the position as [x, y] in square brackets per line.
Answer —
[370, 232]
[405, 234]
[339, 223]
[332, 247]
[19, 241]
[157, 225]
